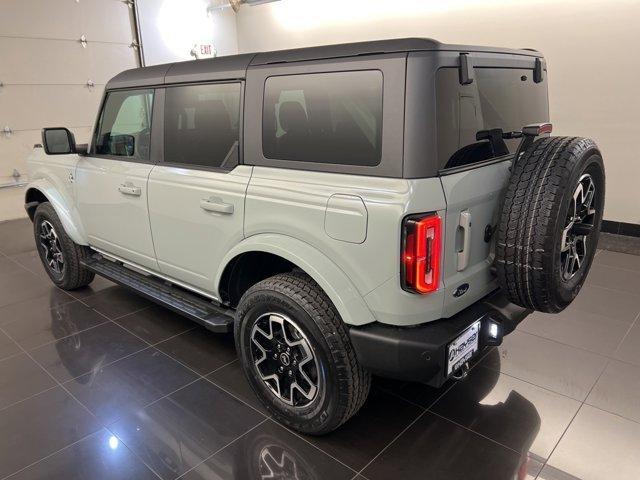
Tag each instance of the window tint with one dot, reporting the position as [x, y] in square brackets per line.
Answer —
[324, 118]
[125, 124]
[499, 98]
[202, 125]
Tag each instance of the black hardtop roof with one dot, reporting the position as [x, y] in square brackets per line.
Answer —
[235, 66]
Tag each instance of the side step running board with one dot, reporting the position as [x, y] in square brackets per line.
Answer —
[214, 317]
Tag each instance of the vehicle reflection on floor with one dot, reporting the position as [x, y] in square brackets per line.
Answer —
[196, 436]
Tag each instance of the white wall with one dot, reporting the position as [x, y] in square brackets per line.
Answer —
[169, 29]
[591, 48]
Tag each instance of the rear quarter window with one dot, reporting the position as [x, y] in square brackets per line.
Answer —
[498, 98]
[333, 118]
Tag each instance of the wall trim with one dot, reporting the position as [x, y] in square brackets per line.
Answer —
[620, 228]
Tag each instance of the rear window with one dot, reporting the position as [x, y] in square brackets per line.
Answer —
[498, 98]
[324, 118]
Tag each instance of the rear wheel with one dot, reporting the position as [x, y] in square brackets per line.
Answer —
[550, 222]
[297, 355]
[59, 254]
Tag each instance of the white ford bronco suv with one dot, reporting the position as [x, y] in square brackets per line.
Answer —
[388, 207]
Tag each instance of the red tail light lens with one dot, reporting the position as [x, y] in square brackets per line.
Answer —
[421, 245]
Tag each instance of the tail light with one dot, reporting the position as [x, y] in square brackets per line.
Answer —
[421, 248]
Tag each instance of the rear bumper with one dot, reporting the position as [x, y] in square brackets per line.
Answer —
[419, 353]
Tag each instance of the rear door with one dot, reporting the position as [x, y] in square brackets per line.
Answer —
[196, 195]
[475, 166]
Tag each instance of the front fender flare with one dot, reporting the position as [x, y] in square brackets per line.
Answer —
[63, 206]
[335, 283]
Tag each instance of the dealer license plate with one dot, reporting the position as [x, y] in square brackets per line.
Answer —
[463, 348]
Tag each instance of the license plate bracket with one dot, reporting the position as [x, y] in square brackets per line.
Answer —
[463, 347]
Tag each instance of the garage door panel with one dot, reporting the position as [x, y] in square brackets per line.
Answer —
[26, 60]
[107, 60]
[99, 20]
[41, 18]
[30, 107]
[42, 61]
[107, 21]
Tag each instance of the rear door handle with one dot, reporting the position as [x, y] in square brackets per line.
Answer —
[465, 227]
[216, 205]
[130, 189]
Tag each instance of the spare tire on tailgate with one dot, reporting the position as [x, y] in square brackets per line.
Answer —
[550, 222]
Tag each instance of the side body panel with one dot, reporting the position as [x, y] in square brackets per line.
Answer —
[190, 241]
[53, 175]
[297, 204]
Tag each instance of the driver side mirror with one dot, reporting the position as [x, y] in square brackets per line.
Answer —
[59, 141]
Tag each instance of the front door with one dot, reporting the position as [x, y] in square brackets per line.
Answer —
[196, 196]
[111, 182]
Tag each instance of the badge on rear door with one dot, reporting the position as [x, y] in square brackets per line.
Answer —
[461, 290]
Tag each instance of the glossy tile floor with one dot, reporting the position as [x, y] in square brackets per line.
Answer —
[100, 384]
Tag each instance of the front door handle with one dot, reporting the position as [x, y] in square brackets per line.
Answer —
[465, 230]
[214, 204]
[130, 189]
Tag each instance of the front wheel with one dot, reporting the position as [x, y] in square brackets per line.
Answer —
[59, 254]
[297, 355]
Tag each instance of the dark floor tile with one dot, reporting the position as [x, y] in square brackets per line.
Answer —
[100, 456]
[128, 385]
[39, 306]
[270, 451]
[155, 324]
[7, 347]
[598, 445]
[618, 260]
[231, 377]
[413, 392]
[116, 301]
[99, 283]
[434, 448]
[178, 432]
[40, 426]
[629, 349]
[21, 377]
[614, 304]
[87, 351]
[614, 278]
[561, 368]
[618, 391]
[379, 421]
[201, 350]
[31, 261]
[25, 285]
[578, 328]
[514, 413]
[16, 236]
[37, 327]
[552, 473]
[8, 267]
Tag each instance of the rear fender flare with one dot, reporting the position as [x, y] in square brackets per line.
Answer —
[335, 283]
[64, 208]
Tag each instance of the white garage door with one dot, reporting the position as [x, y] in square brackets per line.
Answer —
[45, 70]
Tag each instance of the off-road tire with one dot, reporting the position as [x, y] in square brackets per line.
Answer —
[346, 384]
[73, 275]
[533, 216]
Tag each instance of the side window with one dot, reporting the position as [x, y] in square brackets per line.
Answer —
[201, 125]
[125, 124]
[324, 118]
